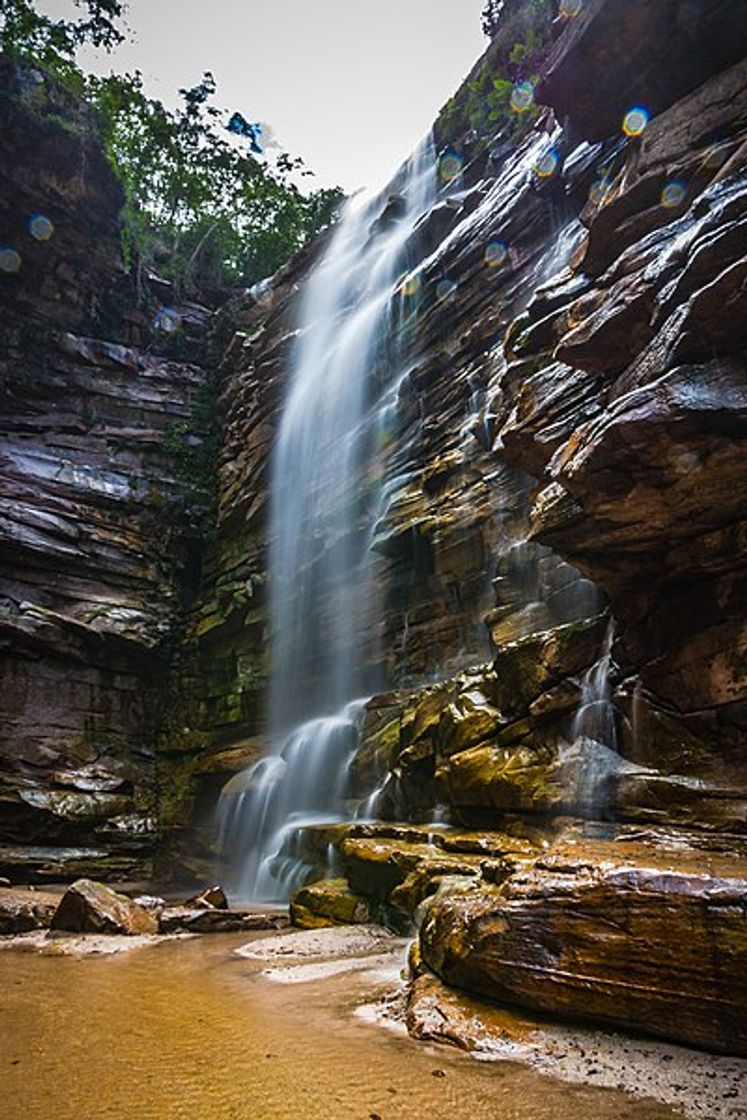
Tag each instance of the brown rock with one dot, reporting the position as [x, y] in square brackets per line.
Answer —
[649, 943]
[214, 897]
[22, 910]
[88, 907]
[328, 902]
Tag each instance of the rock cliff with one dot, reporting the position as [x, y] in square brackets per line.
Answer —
[97, 538]
[560, 556]
[565, 476]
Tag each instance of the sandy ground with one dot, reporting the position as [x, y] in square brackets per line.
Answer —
[48, 944]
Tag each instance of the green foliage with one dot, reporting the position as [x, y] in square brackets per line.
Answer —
[202, 208]
[53, 42]
[521, 34]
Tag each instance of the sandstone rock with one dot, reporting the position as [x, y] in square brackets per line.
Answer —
[88, 907]
[648, 943]
[528, 667]
[212, 898]
[22, 910]
[329, 902]
[186, 919]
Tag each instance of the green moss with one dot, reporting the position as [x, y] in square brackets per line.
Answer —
[175, 791]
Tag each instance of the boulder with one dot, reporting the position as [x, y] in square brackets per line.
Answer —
[212, 898]
[645, 940]
[329, 902]
[89, 907]
[21, 910]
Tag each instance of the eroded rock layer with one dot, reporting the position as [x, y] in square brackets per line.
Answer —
[596, 315]
[97, 529]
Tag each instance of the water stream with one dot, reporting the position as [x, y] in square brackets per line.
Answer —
[326, 493]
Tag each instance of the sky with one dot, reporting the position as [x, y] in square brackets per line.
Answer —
[349, 85]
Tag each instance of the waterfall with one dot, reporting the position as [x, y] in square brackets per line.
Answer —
[596, 716]
[325, 497]
[594, 734]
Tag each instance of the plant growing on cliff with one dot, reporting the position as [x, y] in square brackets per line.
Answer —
[521, 33]
[200, 206]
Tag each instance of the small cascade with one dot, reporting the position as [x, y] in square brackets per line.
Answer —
[596, 716]
[594, 736]
[264, 809]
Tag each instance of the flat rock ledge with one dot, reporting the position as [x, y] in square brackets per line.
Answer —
[644, 940]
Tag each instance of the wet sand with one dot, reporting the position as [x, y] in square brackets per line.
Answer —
[190, 1029]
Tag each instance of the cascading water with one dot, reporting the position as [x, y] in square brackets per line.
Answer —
[594, 730]
[324, 501]
[596, 716]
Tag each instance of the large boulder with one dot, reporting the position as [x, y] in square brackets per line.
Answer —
[644, 940]
[88, 907]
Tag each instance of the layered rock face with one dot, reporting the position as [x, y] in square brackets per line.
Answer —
[559, 550]
[567, 466]
[566, 443]
[95, 532]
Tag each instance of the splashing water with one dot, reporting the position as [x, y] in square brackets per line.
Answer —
[596, 714]
[324, 611]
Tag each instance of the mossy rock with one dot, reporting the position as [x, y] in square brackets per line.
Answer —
[530, 666]
[328, 902]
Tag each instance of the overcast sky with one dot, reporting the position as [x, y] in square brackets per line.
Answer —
[349, 85]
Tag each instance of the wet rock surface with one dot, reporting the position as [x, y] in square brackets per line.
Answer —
[647, 940]
[697, 1085]
[97, 537]
[88, 907]
[637, 929]
[561, 536]
[329, 902]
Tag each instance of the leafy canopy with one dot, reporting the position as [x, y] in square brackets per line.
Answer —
[204, 206]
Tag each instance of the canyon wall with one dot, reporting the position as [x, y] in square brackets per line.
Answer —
[562, 561]
[97, 534]
[560, 551]
[565, 448]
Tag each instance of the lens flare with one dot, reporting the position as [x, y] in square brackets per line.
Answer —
[496, 253]
[635, 120]
[168, 320]
[450, 166]
[10, 260]
[40, 227]
[547, 165]
[445, 289]
[522, 97]
[673, 194]
[411, 285]
[569, 9]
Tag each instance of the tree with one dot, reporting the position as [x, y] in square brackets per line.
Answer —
[203, 203]
[53, 42]
[201, 207]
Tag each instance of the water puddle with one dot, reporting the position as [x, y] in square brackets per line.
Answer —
[190, 1029]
